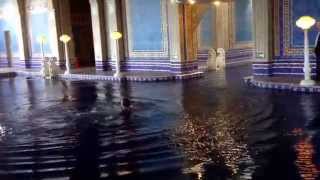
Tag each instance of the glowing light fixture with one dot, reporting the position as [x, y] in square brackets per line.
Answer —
[191, 2]
[305, 23]
[217, 3]
[42, 40]
[116, 35]
[65, 39]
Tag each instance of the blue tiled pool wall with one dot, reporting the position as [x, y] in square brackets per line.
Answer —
[288, 42]
[290, 67]
[236, 55]
[148, 51]
[157, 65]
[281, 86]
[142, 48]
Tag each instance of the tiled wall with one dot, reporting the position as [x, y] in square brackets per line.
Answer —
[288, 39]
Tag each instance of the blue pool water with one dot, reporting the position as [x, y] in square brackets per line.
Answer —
[213, 128]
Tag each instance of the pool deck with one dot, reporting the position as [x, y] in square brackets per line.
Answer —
[92, 74]
[281, 83]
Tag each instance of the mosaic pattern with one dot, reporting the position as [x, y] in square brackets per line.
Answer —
[288, 59]
[281, 86]
[133, 52]
[300, 8]
[237, 55]
[286, 13]
[243, 21]
[169, 77]
[151, 65]
[290, 67]
[4, 62]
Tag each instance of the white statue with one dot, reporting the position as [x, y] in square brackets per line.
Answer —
[221, 59]
[53, 67]
[49, 68]
[45, 68]
[211, 63]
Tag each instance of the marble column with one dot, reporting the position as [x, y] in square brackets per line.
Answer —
[54, 19]
[263, 37]
[22, 34]
[99, 33]
[114, 20]
[175, 38]
[183, 35]
[7, 37]
[223, 26]
[62, 25]
[188, 33]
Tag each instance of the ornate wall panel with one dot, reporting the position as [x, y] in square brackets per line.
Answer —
[207, 30]
[289, 38]
[147, 28]
[243, 21]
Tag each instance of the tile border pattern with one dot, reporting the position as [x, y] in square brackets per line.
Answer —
[88, 77]
[291, 87]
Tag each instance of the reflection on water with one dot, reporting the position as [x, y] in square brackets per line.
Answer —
[2, 131]
[219, 141]
[213, 128]
[305, 154]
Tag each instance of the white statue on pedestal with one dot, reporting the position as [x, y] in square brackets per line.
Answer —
[49, 68]
[211, 63]
[53, 67]
[221, 59]
[45, 68]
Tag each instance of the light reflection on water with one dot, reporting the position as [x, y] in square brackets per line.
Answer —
[2, 132]
[219, 140]
[211, 140]
[305, 157]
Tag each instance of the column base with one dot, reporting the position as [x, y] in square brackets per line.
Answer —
[67, 73]
[307, 83]
[117, 75]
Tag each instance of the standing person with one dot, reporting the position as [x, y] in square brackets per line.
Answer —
[317, 51]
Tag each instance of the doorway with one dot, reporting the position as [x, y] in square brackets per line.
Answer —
[82, 31]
